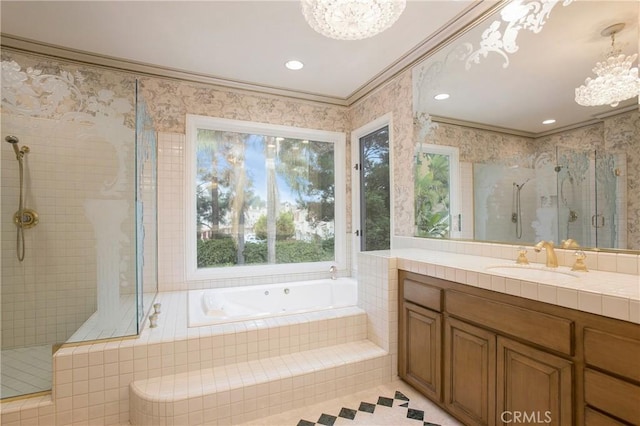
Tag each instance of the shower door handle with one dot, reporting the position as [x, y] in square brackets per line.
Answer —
[594, 221]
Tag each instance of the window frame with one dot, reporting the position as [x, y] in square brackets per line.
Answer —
[195, 122]
[385, 120]
[454, 184]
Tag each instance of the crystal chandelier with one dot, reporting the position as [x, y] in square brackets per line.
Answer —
[351, 19]
[616, 80]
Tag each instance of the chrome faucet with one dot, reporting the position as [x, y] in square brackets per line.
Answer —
[552, 259]
[334, 272]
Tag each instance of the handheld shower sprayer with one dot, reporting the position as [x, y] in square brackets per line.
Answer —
[14, 143]
[20, 152]
[24, 218]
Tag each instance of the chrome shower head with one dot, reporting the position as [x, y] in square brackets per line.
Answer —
[13, 140]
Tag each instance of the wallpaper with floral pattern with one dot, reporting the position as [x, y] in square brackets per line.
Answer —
[169, 101]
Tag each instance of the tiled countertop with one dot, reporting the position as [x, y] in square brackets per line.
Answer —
[609, 294]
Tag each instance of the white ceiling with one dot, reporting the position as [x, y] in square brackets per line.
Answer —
[249, 42]
[243, 41]
[540, 80]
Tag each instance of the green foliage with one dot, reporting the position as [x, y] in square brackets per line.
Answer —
[308, 169]
[328, 246]
[220, 251]
[375, 161]
[299, 251]
[255, 253]
[432, 196]
[285, 228]
[433, 225]
[290, 251]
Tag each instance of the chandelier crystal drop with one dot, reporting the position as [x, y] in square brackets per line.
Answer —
[351, 19]
[616, 79]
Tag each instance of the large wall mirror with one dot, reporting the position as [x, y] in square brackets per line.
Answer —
[533, 163]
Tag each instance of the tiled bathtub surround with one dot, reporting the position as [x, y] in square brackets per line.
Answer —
[378, 296]
[91, 382]
[248, 390]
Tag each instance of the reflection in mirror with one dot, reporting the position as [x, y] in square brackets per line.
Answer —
[437, 192]
[576, 178]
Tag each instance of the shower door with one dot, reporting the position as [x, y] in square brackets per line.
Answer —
[576, 204]
[591, 197]
[609, 218]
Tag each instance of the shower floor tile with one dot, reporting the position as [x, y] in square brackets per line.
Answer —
[25, 370]
[395, 403]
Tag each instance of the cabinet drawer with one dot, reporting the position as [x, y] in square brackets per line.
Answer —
[596, 418]
[613, 353]
[536, 327]
[423, 295]
[613, 396]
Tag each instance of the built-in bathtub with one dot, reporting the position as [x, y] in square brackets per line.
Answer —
[224, 305]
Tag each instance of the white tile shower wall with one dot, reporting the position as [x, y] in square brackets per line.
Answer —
[171, 238]
[171, 203]
[53, 291]
[378, 296]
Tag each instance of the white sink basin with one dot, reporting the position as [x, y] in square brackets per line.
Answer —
[533, 273]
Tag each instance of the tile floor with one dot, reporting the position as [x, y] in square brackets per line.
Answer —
[25, 370]
[395, 403]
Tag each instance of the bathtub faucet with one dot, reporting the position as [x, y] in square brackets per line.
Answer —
[334, 272]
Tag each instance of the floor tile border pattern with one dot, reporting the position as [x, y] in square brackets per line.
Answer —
[367, 407]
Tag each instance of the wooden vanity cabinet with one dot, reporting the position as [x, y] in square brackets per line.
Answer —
[612, 375]
[534, 382]
[487, 357]
[469, 370]
[420, 345]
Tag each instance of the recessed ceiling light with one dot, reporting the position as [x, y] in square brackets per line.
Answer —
[294, 65]
[441, 97]
[549, 121]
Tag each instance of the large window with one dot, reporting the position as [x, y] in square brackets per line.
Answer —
[266, 198]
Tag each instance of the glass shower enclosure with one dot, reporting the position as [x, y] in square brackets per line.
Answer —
[592, 197]
[78, 212]
[553, 196]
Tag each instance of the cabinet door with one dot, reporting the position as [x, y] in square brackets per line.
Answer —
[421, 365]
[532, 386]
[469, 368]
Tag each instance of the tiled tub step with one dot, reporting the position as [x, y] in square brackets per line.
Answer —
[237, 393]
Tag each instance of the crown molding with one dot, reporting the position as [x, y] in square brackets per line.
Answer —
[515, 132]
[455, 27]
[451, 29]
[8, 41]
[482, 126]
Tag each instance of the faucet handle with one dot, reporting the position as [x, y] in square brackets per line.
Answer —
[569, 243]
[522, 256]
[579, 264]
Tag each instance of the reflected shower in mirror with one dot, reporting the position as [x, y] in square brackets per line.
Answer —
[533, 178]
